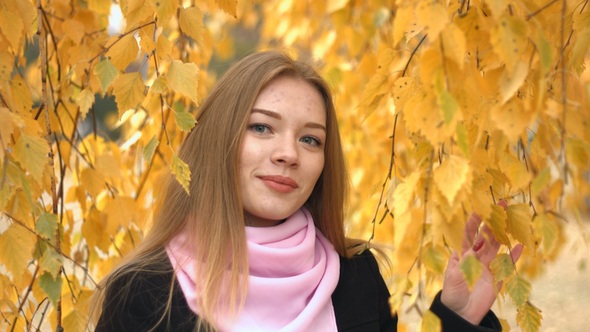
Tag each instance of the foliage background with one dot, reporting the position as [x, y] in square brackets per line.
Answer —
[445, 107]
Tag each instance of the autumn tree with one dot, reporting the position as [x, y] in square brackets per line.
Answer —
[445, 108]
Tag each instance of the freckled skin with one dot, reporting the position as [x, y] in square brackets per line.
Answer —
[282, 153]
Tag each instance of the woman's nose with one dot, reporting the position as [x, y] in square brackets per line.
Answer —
[286, 152]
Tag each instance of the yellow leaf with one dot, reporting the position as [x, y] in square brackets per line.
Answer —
[20, 95]
[432, 15]
[94, 230]
[191, 23]
[431, 322]
[182, 172]
[16, 248]
[137, 12]
[497, 224]
[106, 73]
[515, 170]
[107, 164]
[519, 290]
[454, 44]
[75, 321]
[580, 47]
[123, 51]
[510, 82]
[529, 317]
[403, 22]
[452, 176]
[99, 6]
[229, 6]
[403, 88]
[74, 29]
[6, 64]
[85, 100]
[32, 154]
[541, 181]
[401, 196]
[92, 181]
[519, 223]
[163, 47]
[471, 268]
[160, 85]
[165, 9]
[11, 26]
[509, 38]
[183, 78]
[120, 211]
[6, 129]
[129, 91]
[512, 118]
[146, 39]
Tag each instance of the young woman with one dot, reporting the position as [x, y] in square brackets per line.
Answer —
[259, 243]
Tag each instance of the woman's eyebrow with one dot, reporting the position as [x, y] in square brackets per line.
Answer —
[267, 112]
[277, 116]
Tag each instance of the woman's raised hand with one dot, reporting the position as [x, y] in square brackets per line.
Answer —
[474, 305]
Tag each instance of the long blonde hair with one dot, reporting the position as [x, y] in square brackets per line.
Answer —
[213, 214]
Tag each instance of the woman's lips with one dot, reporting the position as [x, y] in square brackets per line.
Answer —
[279, 183]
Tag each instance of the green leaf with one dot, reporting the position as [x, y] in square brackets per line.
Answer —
[549, 231]
[51, 262]
[51, 286]
[106, 73]
[529, 318]
[184, 120]
[183, 78]
[502, 267]
[519, 290]
[449, 106]
[16, 248]
[150, 148]
[181, 172]
[471, 268]
[31, 152]
[46, 225]
[434, 259]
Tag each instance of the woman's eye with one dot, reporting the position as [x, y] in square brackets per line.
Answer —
[311, 141]
[259, 128]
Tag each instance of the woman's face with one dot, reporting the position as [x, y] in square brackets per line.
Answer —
[282, 152]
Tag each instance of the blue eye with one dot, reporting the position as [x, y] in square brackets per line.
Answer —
[311, 141]
[259, 128]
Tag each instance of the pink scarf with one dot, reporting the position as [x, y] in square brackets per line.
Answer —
[294, 270]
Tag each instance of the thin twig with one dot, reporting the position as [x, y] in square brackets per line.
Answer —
[412, 54]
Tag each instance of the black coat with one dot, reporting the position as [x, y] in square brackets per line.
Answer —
[360, 302]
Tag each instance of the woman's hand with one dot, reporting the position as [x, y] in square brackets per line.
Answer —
[474, 305]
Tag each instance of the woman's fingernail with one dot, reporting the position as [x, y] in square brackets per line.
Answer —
[478, 245]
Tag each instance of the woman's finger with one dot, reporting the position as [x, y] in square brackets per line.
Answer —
[471, 227]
